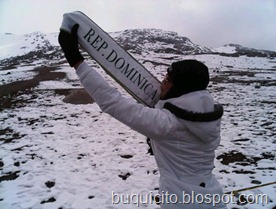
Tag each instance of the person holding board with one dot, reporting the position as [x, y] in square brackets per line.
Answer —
[184, 126]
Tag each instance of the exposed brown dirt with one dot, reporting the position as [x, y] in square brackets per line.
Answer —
[9, 92]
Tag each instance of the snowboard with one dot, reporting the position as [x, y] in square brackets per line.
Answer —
[116, 61]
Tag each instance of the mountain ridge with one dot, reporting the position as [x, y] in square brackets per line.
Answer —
[158, 41]
[37, 45]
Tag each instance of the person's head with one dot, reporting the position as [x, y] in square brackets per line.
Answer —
[184, 77]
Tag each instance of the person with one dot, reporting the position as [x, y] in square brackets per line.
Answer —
[184, 126]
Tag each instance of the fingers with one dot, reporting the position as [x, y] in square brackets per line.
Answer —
[75, 29]
[62, 37]
[65, 38]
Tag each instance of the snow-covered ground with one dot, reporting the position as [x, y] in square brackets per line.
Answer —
[59, 155]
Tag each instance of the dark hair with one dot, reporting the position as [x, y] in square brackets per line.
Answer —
[187, 76]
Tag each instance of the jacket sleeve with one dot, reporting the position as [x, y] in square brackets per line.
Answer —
[151, 122]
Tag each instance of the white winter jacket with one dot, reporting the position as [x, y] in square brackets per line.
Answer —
[184, 150]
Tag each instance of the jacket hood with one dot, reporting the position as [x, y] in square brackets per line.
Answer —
[197, 112]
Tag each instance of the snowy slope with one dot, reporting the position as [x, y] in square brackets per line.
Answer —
[55, 154]
[158, 41]
[12, 45]
[238, 50]
[226, 49]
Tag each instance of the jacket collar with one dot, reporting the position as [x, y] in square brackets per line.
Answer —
[195, 106]
[195, 116]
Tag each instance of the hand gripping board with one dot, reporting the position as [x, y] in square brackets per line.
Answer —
[117, 62]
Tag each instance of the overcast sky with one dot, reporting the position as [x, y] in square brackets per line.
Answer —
[211, 23]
